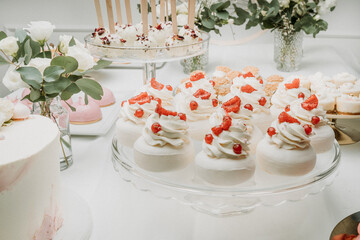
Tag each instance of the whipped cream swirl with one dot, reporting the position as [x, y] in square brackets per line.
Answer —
[289, 136]
[284, 97]
[164, 94]
[127, 111]
[222, 145]
[238, 82]
[203, 83]
[173, 131]
[204, 110]
[217, 118]
[304, 116]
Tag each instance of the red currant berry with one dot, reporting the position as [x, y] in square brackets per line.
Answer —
[139, 113]
[168, 87]
[249, 107]
[193, 105]
[301, 95]
[188, 85]
[156, 127]
[237, 148]
[262, 101]
[271, 131]
[215, 102]
[315, 120]
[287, 108]
[209, 138]
[182, 116]
[307, 129]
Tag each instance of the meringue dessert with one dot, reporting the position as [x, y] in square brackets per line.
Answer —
[224, 159]
[308, 112]
[164, 144]
[133, 115]
[286, 148]
[348, 105]
[30, 178]
[159, 91]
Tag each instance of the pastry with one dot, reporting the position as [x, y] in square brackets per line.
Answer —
[350, 89]
[84, 113]
[164, 144]
[159, 91]
[308, 112]
[342, 78]
[132, 118]
[225, 158]
[348, 105]
[326, 101]
[272, 83]
[29, 177]
[286, 148]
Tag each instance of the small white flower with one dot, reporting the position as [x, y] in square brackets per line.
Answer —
[182, 19]
[231, 21]
[317, 17]
[12, 79]
[40, 63]
[64, 41]
[9, 46]
[284, 3]
[6, 108]
[263, 12]
[83, 56]
[40, 31]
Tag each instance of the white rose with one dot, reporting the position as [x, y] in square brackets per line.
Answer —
[324, 6]
[12, 79]
[284, 3]
[182, 8]
[9, 46]
[40, 31]
[40, 63]
[182, 19]
[6, 108]
[83, 56]
[231, 21]
[64, 43]
[2, 121]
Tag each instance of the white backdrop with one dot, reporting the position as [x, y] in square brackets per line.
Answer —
[78, 18]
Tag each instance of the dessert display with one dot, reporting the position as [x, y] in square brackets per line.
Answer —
[225, 158]
[133, 115]
[286, 148]
[29, 179]
[84, 113]
[164, 144]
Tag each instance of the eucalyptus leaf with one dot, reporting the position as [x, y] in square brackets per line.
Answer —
[71, 107]
[3, 61]
[28, 52]
[41, 54]
[68, 63]
[220, 6]
[2, 35]
[72, 42]
[86, 99]
[20, 34]
[223, 15]
[35, 47]
[34, 95]
[52, 73]
[101, 64]
[56, 86]
[208, 23]
[90, 87]
[31, 76]
[69, 91]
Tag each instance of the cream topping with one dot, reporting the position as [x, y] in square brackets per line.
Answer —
[173, 131]
[127, 111]
[203, 83]
[238, 82]
[304, 116]
[164, 94]
[344, 77]
[204, 110]
[253, 99]
[283, 97]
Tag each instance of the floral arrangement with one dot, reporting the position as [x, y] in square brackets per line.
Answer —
[6, 111]
[48, 71]
[288, 15]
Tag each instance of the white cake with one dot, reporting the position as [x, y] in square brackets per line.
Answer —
[29, 180]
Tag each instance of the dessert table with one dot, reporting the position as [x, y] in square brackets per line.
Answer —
[120, 211]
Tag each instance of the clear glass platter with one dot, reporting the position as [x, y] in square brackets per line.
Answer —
[262, 190]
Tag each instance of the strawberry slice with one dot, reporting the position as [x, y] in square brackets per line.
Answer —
[285, 117]
[162, 111]
[295, 84]
[197, 76]
[310, 103]
[201, 93]
[232, 105]
[217, 130]
[141, 99]
[247, 88]
[226, 123]
[248, 74]
[156, 85]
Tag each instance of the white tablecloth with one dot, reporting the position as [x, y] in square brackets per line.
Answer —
[122, 212]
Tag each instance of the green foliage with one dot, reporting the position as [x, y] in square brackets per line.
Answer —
[53, 73]
[31, 76]
[90, 87]
[2, 35]
[68, 63]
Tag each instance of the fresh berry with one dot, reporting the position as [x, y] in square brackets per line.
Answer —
[217, 130]
[193, 105]
[158, 100]
[287, 108]
[197, 76]
[310, 103]
[188, 85]
[209, 138]
[307, 129]
[301, 95]
[232, 105]
[294, 84]
[201, 93]
[156, 85]
[315, 120]
[271, 131]
[249, 107]
[247, 88]
[156, 127]
[122, 103]
[141, 99]
[248, 74]
[261, 81]
[162, 111]
[212, 83]
[237, 148]
[284, 117]
[139, 113]
[262, 101]
[215, 102]
[168, 87]
[182, 116]
[226, 123]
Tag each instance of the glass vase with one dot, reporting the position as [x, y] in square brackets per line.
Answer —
[288, 50]
[195, 63]
[53, 109]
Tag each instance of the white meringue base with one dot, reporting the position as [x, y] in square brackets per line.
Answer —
[197, 130]
[224, 171]
[127, 132]
[280, 161]
[262, 121]
[256, 136]
[162, 159]
[323, 139]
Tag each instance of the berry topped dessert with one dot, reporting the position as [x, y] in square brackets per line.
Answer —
[160, 92]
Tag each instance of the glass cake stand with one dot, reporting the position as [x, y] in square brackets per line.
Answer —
[148, 56]
[262, 190]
